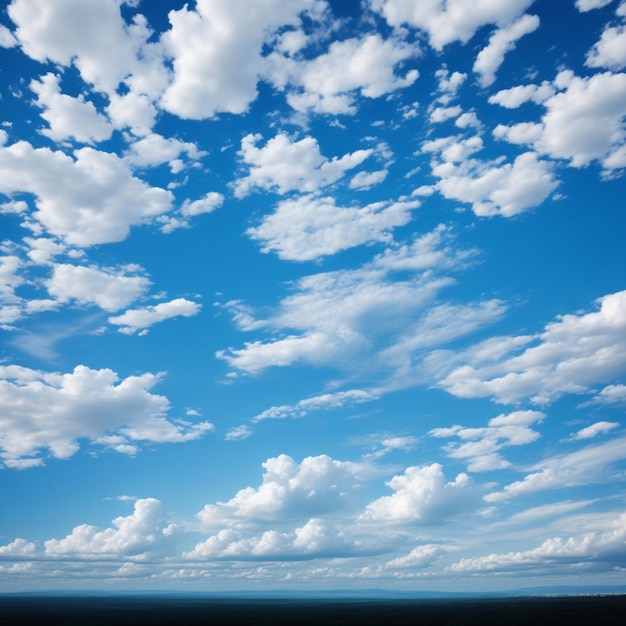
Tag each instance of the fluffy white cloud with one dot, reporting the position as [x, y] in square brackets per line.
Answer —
[69, 117]
[92, 35]
[587, 5]
[108, 289]
[316, 539]
[309, 227]
[421, 556]
[140, 535]
[422, 494]
[366, 180]
[206, 43]
[327, 83]
[18, 549]
[591, 464]
[154, 149]
[207, 204]
[289, 491]
[284, 165]
[595, 429]
[139, 319]
[514, 97]
[610, 51]
[502, 41]
[611, 394]
[601, 549]
[446, 21]
[83, 404]
[88, 200]
[583, 121]
[571, 354]
[492, 187]
[483, 444]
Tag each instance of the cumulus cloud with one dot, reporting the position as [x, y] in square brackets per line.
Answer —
[309, 227]
[421, 556]
[596, 550]
[610, 51]
[573, 353]
[89, 200]
[583, 467]
[491, 187]
[583, 120]
[111, 290]
[451, 20]
[328, 83]
[482, 445]
[422, 495]
[611, 394]
[93, 36]
[284, 165]
[316, 539]
[206, 42]
[514, 97]
[289, 491]
[140, 535]
[502, 41]
[139, 319]
[69, 117]
[587, 5]
[87, 404]
[154, 149]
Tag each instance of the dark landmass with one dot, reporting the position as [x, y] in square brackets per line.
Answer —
[607, 610]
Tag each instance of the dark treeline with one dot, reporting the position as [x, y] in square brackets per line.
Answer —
[603, 610]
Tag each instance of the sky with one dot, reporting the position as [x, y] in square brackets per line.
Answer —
[312, 295]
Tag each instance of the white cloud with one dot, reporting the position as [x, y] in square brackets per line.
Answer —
[137, 319]
[601, 549]
[587, 5]
[366, 180]
[316, 539]
[284, 165]
[238, 432]
[570, 355]
[442, 114]
[610, 51]
[390, 444]
[88, 200]
[327, 83]
[133, 111]
[7, 39]
[289, 491]
[421, 556]
[140, 535]
[611, 394]
[502, 41]
[483, 444]
[206, 43]
[422, 495]
[154, 149]
[584, 120]
[514, 97]
[583, 467]
[68, 117]
[18, 549]
[493, 187]
[110, 290]
[92, 35]
[451, 20]
[207, 204]
[308, 227]
[344, 318]
[523, 133]
[88, 404]
[316, 403]
[598, 428]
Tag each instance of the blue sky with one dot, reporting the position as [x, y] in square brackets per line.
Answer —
[312, 295]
